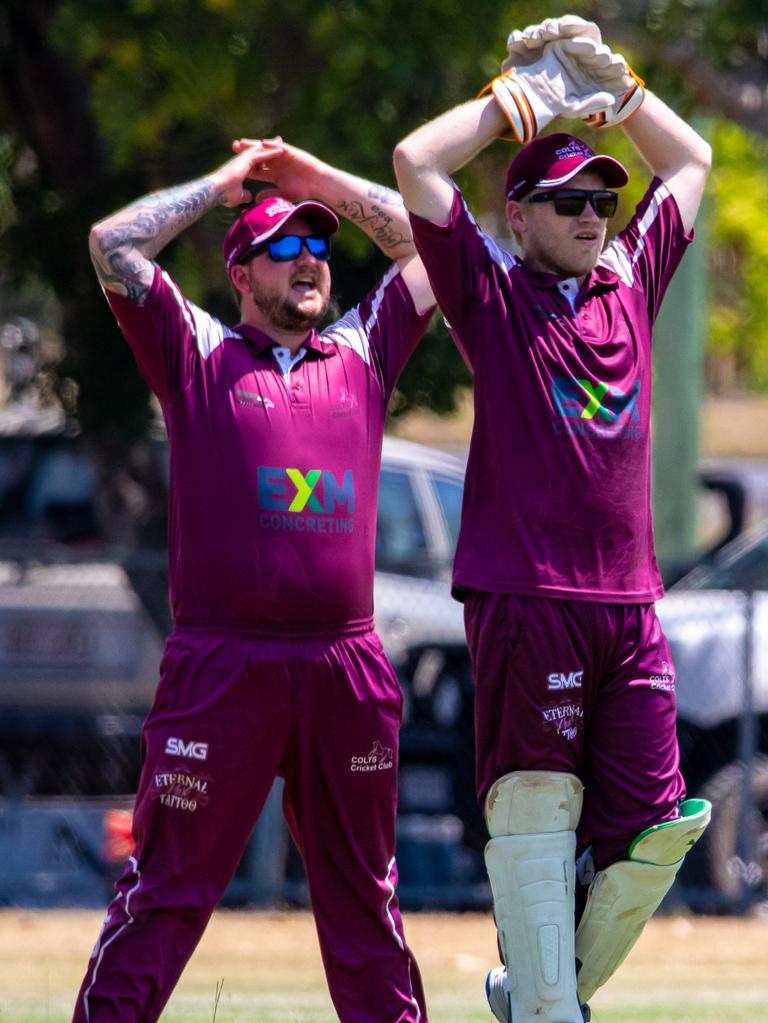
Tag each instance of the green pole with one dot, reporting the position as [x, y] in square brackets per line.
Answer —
[679, 342]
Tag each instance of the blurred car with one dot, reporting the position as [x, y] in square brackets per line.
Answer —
[80, 631]
[716, 620]
[81, 634]
[416, 531]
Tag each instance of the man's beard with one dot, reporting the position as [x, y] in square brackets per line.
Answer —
[551, 260]
[283, 313]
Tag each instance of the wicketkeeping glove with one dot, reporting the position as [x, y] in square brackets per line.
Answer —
[524, 46]
[557, 84]
[622, 106]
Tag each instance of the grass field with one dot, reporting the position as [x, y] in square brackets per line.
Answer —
[684, 970]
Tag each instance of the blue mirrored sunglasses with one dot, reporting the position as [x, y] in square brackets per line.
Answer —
[288, 246]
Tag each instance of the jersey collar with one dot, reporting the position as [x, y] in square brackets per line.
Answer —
[262, 342]
[600, 279]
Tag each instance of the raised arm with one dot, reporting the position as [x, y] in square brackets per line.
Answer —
[378, 211]
[124, 244]
[426, 159]
[674, 152]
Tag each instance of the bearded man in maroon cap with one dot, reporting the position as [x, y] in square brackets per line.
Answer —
[272, 667]
[577, 758]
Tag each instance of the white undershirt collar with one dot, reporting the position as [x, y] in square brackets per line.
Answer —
[570, 288]
[285, 360]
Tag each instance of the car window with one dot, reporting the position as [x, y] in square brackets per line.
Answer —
[449, 494]
[747, 572]
[47, 491]
[401, 543]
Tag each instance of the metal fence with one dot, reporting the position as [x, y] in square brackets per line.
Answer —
[79, 652]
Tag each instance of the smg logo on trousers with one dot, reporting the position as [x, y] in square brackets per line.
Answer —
[315, 501]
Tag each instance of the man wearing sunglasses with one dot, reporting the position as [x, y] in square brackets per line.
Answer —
[575, 708]
[273, 667]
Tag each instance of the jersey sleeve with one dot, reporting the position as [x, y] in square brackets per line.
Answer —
[167, 334]
[383, 329]
[649, 249]
[465, 267]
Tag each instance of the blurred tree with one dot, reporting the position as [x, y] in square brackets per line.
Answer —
[102, 101]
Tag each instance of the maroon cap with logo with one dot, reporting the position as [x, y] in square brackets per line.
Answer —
[552, 160]
[259, 222]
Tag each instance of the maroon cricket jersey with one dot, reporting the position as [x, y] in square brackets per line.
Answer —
[557, 495]
[274, 462]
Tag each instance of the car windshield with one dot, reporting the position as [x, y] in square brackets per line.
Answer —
[747, 570]
[401, 544]
[449, 494]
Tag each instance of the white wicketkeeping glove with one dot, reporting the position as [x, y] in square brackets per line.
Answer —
[559, 83]
[524, 46]
[622, 106]
[614, 74]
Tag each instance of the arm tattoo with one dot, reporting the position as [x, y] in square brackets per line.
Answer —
[386, 195]
[376, 222]
[125, 244]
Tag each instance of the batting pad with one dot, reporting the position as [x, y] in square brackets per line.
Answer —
[623, 897]
[532, 802]
[532, 876]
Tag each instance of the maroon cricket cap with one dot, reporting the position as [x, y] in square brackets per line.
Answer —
[552, 160]
[264, 218]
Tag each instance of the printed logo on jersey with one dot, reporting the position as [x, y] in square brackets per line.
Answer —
[179, 748]
[565, 679]
[180, 790]
[347, 405]
[566, 719]
[593, 408]
[247, 399]
[381, 758]
[664, 679]
[308, 502]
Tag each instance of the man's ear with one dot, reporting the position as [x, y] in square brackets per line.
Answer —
[515, 216]
[239, 277]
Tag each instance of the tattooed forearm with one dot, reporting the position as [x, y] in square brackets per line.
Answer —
[388, 231]
[123, 245]
[387, 195]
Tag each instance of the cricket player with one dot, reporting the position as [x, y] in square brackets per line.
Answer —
[273, 667]
[575, 712]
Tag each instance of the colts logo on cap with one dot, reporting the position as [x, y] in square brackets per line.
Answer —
[278, 206]
[574, 148]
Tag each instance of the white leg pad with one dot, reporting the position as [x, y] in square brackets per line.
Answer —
[532, 875]
[621, 900]
[623, 897]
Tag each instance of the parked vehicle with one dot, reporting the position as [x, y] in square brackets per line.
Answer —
[78, 649]
[716, 619]
[81, 633]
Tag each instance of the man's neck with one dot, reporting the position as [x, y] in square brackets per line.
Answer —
[286, 339]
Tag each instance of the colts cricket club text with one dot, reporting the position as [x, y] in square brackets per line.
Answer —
[306, 502]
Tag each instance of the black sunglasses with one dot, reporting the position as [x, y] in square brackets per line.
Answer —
[288, 246]
[570, 202]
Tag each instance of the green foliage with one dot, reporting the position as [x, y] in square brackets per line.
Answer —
[739, 255]
[155, 90]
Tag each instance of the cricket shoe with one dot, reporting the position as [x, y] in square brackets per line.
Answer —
[497, 993]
